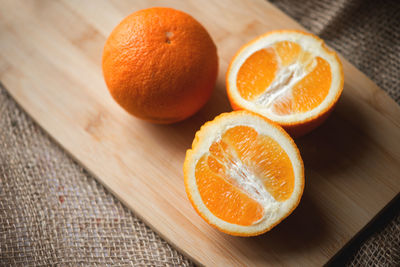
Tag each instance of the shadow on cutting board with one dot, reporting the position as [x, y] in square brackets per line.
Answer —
[301, 231]
[338, 144]
[186, 129]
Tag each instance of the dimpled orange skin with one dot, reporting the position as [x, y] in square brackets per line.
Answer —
[160, 65]
[295, 129]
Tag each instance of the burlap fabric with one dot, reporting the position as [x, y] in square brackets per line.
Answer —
[52, 212]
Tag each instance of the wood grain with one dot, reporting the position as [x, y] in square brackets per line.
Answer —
[50, 61]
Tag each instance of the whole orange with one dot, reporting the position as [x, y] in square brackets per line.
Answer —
[160, 65]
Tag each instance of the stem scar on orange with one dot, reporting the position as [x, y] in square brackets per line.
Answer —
[160, 65]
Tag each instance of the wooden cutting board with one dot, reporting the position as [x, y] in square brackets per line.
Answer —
[50, 62]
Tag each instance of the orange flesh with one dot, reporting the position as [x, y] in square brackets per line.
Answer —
[287, 51]
[259, 71]
[255, 155]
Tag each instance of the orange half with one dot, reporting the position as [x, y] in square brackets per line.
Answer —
[290, 77]
[244, 174]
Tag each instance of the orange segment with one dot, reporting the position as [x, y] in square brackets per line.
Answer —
[292, 53]
[223, 199]
[287, 51]
[312, 89]
[257, 73]
[277, 170]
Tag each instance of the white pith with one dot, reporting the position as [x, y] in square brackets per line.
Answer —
[246, 180]
[286, 77]
[273, 210]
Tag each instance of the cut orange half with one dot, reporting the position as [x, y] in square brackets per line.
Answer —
[244, 174]
[288, 76]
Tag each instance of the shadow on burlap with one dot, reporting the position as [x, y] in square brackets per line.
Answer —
[52, 212]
